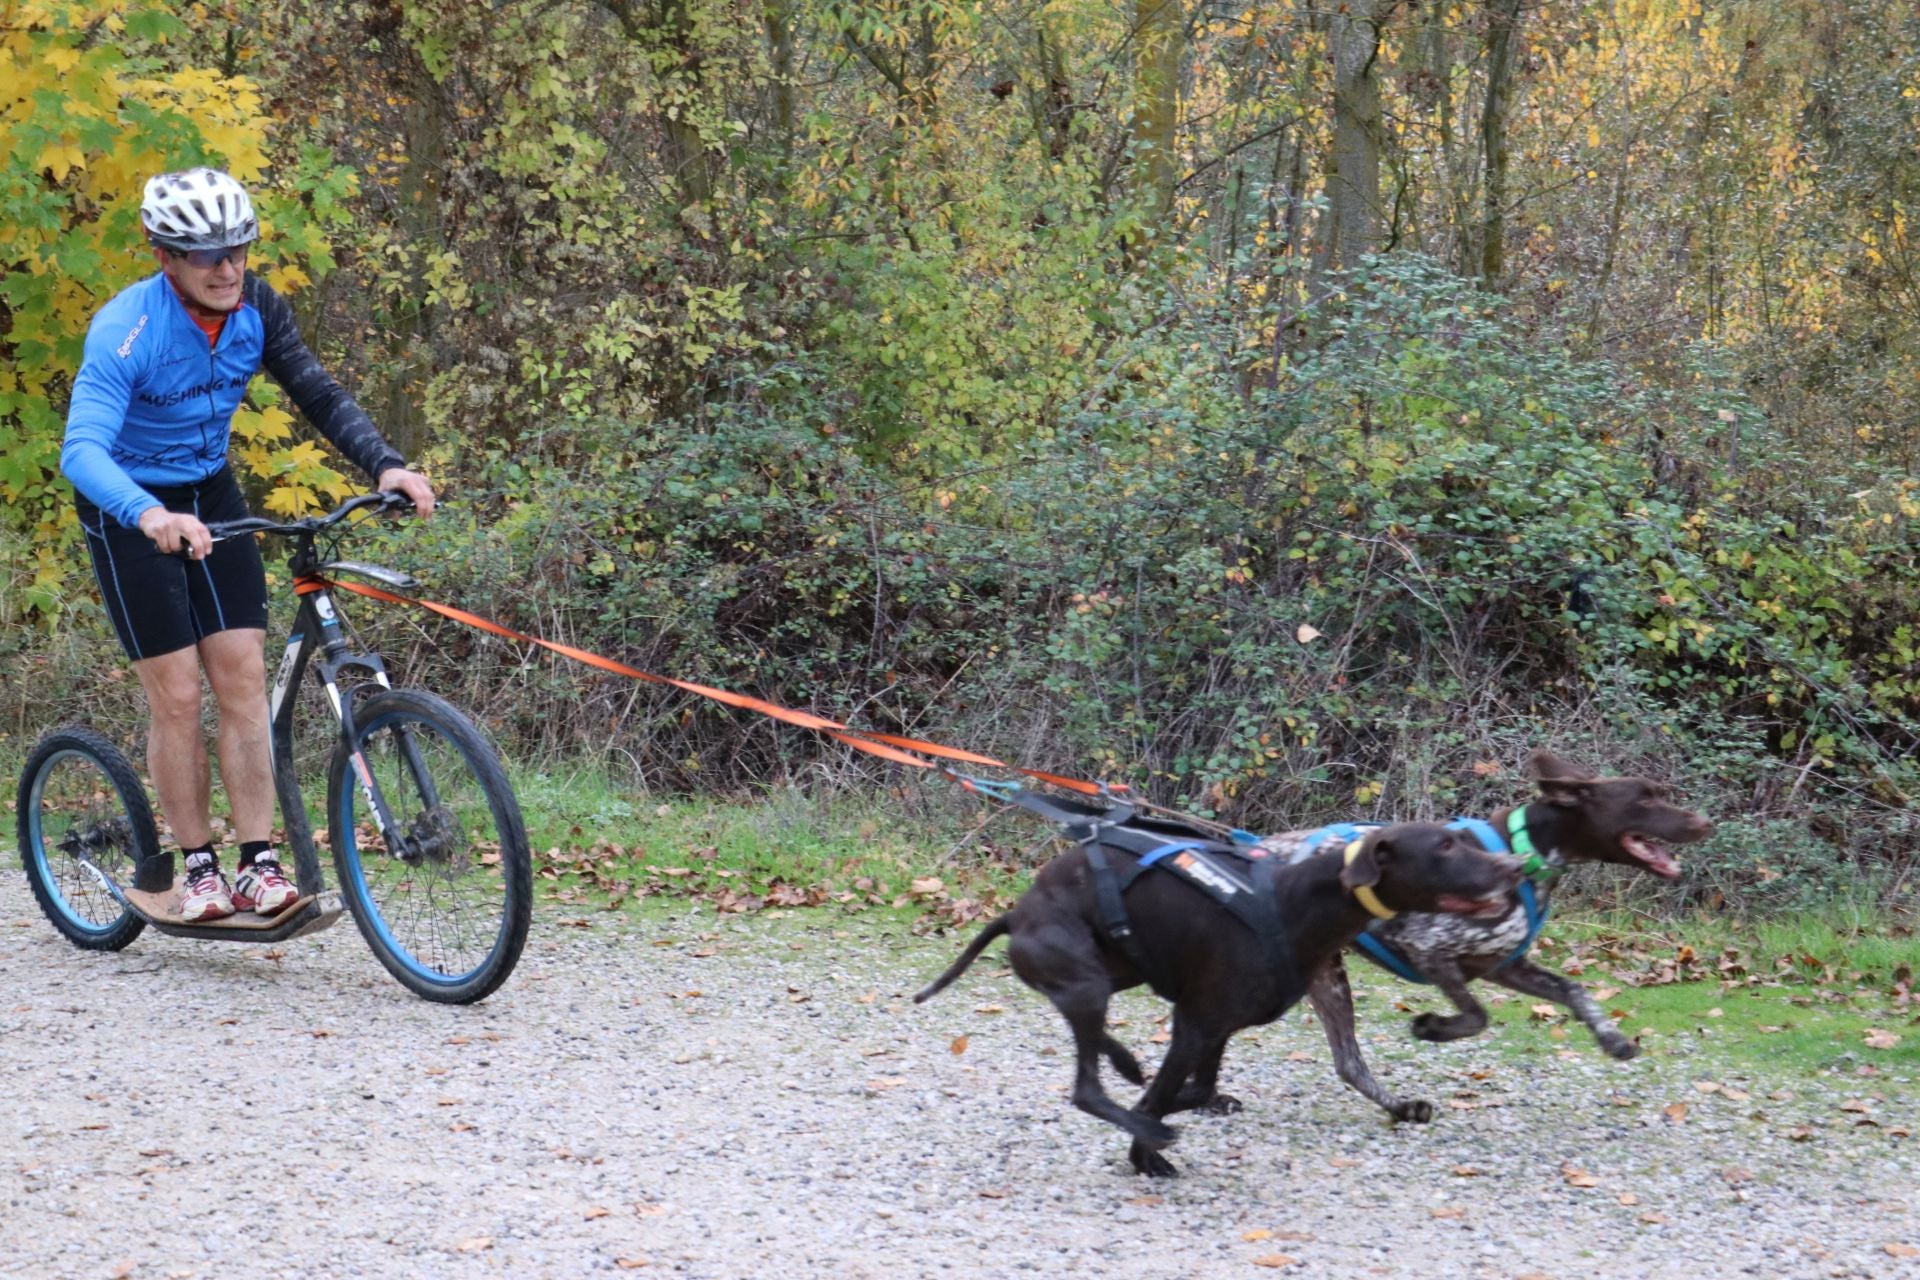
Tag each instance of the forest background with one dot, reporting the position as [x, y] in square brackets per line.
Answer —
[1300, 411]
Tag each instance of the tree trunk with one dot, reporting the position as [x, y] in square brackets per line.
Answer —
[665, 30]
[426, 118]
[1159, 42]
[780, 58]
[1503, 30]
[1354, 217]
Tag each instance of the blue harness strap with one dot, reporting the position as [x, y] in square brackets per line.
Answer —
[1168, 850]
[1491, 840]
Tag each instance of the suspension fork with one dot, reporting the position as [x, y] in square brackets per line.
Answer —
[319, 639]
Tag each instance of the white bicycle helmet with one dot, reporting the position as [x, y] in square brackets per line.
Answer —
[197, 209]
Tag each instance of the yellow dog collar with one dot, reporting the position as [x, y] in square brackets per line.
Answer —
[1363, 893]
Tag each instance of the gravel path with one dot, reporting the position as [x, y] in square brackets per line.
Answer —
[744, 1098]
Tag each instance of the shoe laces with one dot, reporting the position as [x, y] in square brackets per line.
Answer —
[200, 869]
[268, 868]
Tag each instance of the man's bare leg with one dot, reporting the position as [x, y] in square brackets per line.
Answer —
[237, 671]
[176, 749]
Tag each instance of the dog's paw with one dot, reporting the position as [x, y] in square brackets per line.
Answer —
[1221, 1104]
[1412, 1110]
[1151, 1163]
[1433, 1026]
[1621, 1049]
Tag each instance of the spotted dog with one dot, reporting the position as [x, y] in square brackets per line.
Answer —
[1576, 818]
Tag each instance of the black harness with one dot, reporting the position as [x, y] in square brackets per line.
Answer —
[1238, 877]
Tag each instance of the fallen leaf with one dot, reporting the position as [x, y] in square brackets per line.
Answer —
[959, 1045]
[629, 1264]
[1706, 1086]
[1800, 1133]
[1676, 1112]
[1299, 1055]
[1860, 1105]
[1653, 1219]
[887, 1082]
[1451, 1211]
[1878, 1039]
[1901, 1250]
[989, 1008]
[1604, 994]
[646, 1209]
[595, 1212]
[1275, 1260]
[1627, 1198]
[474, 1244]
[1148, 1201]
[1467, 1171]
[1543, 1011]
[122, 1269]
[1306, 633]
[1734, 1175]
[992, 1193]
[1342, 1162]
[1258, 1233]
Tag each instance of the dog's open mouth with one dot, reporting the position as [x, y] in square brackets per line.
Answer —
[1479, 908]
[1651, 854]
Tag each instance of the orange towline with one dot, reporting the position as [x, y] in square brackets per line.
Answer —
[887, 746]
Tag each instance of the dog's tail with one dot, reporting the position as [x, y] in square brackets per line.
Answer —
[967, 957]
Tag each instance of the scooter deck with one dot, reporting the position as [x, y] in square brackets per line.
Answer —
[161, 909]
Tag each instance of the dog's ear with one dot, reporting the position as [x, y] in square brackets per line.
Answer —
[1561, 782]
[1363, 868]
[1548, 767]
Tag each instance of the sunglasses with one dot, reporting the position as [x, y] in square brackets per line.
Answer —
[208, 259]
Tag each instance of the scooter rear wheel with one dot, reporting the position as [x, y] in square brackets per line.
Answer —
[81, 805]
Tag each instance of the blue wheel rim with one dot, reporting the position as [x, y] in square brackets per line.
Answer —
[37, 846]
[362, 892]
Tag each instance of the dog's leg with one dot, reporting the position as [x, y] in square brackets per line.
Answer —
[1062, 963]
[1472, 1018]
[1191, 1047]
[1123, 1060]
[1332, 997]
[1202, 1092]
[1530, 979]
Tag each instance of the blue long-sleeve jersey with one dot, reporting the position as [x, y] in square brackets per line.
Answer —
[152, 405]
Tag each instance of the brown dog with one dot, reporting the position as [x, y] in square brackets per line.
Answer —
[1577, 818]
[1220, 975]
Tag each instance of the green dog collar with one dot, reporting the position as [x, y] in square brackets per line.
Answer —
[1532, 865]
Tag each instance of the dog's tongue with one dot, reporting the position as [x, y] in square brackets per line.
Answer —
[1653, 854]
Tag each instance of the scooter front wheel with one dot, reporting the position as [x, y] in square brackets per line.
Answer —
[444, 893]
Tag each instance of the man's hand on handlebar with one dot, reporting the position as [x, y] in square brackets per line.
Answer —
[177, 533]
[410, 483]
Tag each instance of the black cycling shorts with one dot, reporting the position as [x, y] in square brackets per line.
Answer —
[159, 602]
